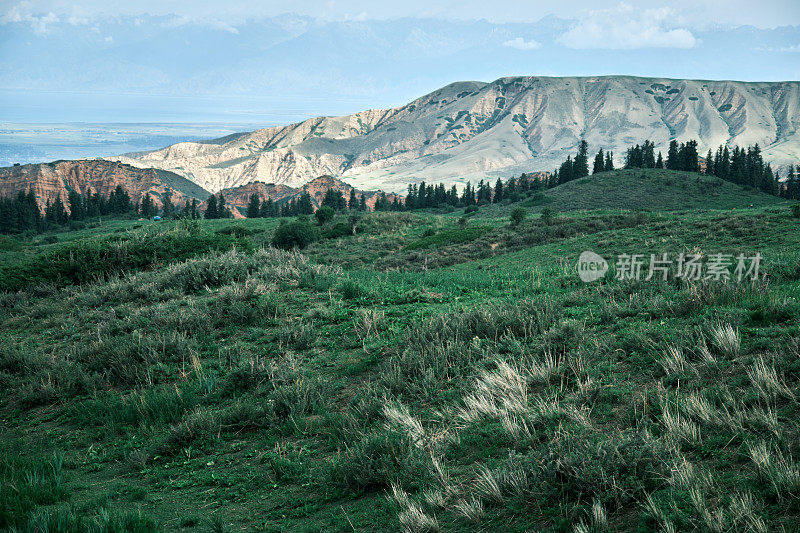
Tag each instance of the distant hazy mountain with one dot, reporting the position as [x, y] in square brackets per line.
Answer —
[471, 130]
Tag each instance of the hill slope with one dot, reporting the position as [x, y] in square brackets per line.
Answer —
[51, 180]
[648, 190]
[469, 130]
[257, 389]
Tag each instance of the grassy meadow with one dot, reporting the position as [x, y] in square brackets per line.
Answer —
[434, 371]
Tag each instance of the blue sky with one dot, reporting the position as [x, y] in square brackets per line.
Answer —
[277, 62]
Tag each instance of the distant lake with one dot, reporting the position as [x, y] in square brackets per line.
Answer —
[39, 143]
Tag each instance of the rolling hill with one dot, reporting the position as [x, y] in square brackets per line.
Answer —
[471, 130]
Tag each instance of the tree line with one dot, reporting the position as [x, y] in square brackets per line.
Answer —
[22, 212]
[303, 205]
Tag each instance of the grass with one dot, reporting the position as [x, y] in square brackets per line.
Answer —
[372, 382]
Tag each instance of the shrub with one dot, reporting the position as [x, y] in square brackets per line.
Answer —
[548, 215]
[324, 215]
[796, 210]
[377, 459]
[351, 290]
[295, 234]
[339, 229]
[518, 215]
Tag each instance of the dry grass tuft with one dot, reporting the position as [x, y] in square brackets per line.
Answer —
[726, 339]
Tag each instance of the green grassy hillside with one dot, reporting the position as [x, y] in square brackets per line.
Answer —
[427, 373]
[648, 190]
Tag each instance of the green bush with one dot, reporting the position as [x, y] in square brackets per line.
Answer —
[548, 215]
[324, 215]
[796, 210]
[518, 214]
[295, 234]
[351, 290]
[339, 229]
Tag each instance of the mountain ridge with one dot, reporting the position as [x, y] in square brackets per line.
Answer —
[472, 130]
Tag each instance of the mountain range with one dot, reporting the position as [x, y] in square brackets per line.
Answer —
[467, 131]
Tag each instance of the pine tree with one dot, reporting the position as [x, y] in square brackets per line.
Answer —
[648, 154]
[452, 196]
[147, 209]
[352, 204]
[56, 214]
[599, 162]
[333, 198]
[254, 206]
[168, 210]
[709, 163]
[468, 195]
[498, 191]
[672, 155]
[76, 207]
[609, 162]
[211, 208]
[565, 172]
[580, 167]
[659, 161]
[362, 204]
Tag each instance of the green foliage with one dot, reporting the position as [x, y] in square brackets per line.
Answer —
[324, 214]
[448, 237]
[548, 215]
[93, 259]
[294, 234]
[362, 383]
[518, 214]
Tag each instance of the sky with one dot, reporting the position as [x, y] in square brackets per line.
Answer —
[280, 61]
[763, 14]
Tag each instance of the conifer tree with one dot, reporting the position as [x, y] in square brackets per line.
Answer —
[146, 208]
[211, 208]
[76, 207]
[254, 206]
[168, 210]
[580, 167]
[672, 155]
[498, 191]
[599, 162]
[609, 161]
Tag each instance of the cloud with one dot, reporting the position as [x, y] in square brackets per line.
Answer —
[22, 13]
[793, 48]
[521, 44]
[624, 28]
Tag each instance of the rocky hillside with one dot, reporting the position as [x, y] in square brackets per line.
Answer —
[51, 180]
[238, 197]
[470, 130]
